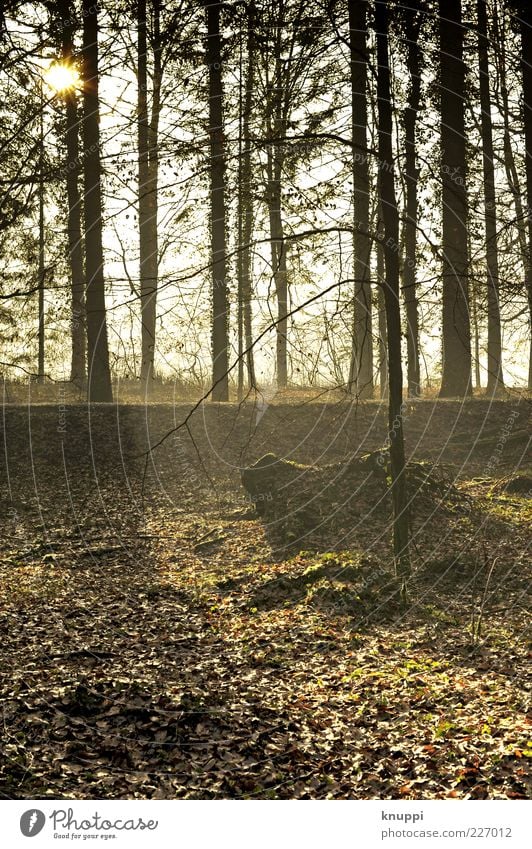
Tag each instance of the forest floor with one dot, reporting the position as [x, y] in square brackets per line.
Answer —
[160, 641]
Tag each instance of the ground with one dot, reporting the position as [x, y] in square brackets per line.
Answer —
[160, 640]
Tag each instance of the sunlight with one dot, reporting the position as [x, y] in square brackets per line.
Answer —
[61, 78]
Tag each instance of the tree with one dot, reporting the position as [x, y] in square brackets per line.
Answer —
[293, 79]
[277, 111]
[220, 305]
[361, 372]
[42, 246]
[381, 307]
[509, 159]
[99, 374]
[456, 334]
[526, 67]
[245, 213]
[495, 370]
[78, 365]
[390, 218]
[412, 22]
[148, 184]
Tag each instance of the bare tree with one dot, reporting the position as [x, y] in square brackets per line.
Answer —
[495, 370]
[245, 212]
[78, 366]
[525, 13]
[148, 180]
[456, 334]
[390, 216]
[99, 373]
[220, 305]
[361, 372]
[412, 21]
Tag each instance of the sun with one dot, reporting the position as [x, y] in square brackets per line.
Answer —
[61, 77]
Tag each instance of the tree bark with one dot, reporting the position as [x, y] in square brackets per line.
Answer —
[526, 66]
[391, 295]
[383, 333]
[99, 373]
[78, 365]
[475, 325]
[148, 179]
[220, 306]
[246, 203]
[276, 128]
[42, 269]
[495, 370]
[509, 157]
[361, 369]
[412, 30]
[456, 333]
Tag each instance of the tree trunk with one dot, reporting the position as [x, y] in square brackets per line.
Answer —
[456, 334]
[381, 280]
[42, 269]
[526, 65]
[509, 158]
[499, 45]
[148, 178]
[78, 366]
[276, 128]
[245, 216]
[361, 369]
[99, 374]
[412, 30]
[391, 295]
[476, 329]
[280, 273]
[220, 306]
[495, 371]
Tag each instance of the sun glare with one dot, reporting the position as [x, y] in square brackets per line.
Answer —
[61, 78]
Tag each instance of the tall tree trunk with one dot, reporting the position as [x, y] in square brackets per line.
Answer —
[361, 370]
[495, 371]
[42, 268]
[476, 334]
[276, 128]
[78, 365]
[148, 179]
[412, 30]
[526, 65]
[220, 306]
[381, 305]
[99, 373]
[456, 333]
[509, 157]
[245, 214]
[280, 271]
[474, 299]
[499, 45]
[240, 239]
[391, 294]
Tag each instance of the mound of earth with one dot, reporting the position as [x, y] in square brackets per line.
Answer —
[294, 498]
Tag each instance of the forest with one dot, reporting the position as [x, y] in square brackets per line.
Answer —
[266, 363]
